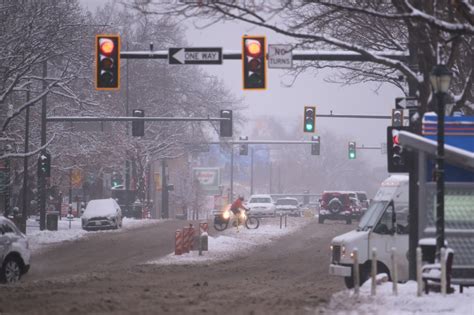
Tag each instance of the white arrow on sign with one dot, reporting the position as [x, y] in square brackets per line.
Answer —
[179, 55]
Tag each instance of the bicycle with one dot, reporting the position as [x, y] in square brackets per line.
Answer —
[221, 220]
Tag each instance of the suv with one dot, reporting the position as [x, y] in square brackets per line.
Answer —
[14, 252]
[339, 205]
[261, 206]
[288, 206]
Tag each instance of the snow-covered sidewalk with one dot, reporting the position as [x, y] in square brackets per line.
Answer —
[406, 303]
[42, 239]
[230, 243]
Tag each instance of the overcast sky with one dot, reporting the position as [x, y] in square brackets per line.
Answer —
[309, 90]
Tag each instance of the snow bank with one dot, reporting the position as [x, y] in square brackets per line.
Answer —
[230, 243]
[41, 239]
[385, 303]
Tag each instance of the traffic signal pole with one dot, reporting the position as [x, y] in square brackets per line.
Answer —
[308, 55]
[42, 177]
[100, 119]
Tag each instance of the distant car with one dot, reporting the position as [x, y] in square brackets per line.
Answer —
[364, 202]
[102, 214]
[261, 206]
[14, 252]
[339, 205]
[288, 206]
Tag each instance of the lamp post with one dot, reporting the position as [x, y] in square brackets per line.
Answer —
[440, 79]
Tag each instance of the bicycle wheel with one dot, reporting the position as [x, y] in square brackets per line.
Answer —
[220, 225]
[252, 223]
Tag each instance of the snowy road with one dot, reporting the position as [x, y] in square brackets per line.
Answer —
[106, 272]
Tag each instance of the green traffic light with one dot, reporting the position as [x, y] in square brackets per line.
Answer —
[352, 155]
[309, 127]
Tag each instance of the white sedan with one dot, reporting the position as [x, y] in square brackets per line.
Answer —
[261, 206]
[14, 252]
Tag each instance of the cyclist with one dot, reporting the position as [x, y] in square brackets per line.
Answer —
[236, 206]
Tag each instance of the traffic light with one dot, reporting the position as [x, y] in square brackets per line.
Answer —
[244, 147]
[44, 164]
[309, 121]
[254, 63]
[352, 150]
[315, 145]
[398, 159]
[397, 117]
[117, 179]
[226, 125]
[107, 62]
[138, 127]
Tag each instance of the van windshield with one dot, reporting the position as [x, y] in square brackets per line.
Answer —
[372, 215]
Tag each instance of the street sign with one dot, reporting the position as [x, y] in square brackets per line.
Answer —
[195, 56]
[406, 102]
[280, 56]
[208, 178]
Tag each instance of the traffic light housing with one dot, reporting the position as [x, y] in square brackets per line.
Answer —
[138, 127]
[398, 158]
[315, 146]
[116, 179]
[44, 164]
[309, 121]
[352, 150]
[244, 147]
[254, 62]
[226, 125]
[107, 62]
[397, 117]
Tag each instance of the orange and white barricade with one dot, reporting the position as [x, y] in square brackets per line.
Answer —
[178, 242]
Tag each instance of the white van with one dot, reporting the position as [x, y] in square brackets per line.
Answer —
[381, 228]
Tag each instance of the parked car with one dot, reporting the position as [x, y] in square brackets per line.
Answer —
[288, 206]
[102, 214]
[261, 206]
[14, 252]
[339, 205]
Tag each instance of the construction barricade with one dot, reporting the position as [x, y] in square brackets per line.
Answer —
[178, 242]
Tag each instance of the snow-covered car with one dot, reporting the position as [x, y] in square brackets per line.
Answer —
[261, 206]
[288, 206]
[102, 214]
[14, 252]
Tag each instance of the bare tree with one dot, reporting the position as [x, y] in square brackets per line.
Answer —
[430, 32]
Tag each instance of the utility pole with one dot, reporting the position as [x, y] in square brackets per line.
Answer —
[164, 190]
[127, 162]
[413, 188]
[231, 173]
[251, 170]
[42, 178]
[270, 183]
[24, 212]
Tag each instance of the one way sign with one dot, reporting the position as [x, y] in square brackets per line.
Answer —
[195, 56]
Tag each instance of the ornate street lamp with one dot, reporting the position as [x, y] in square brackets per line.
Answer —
[440, 79]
